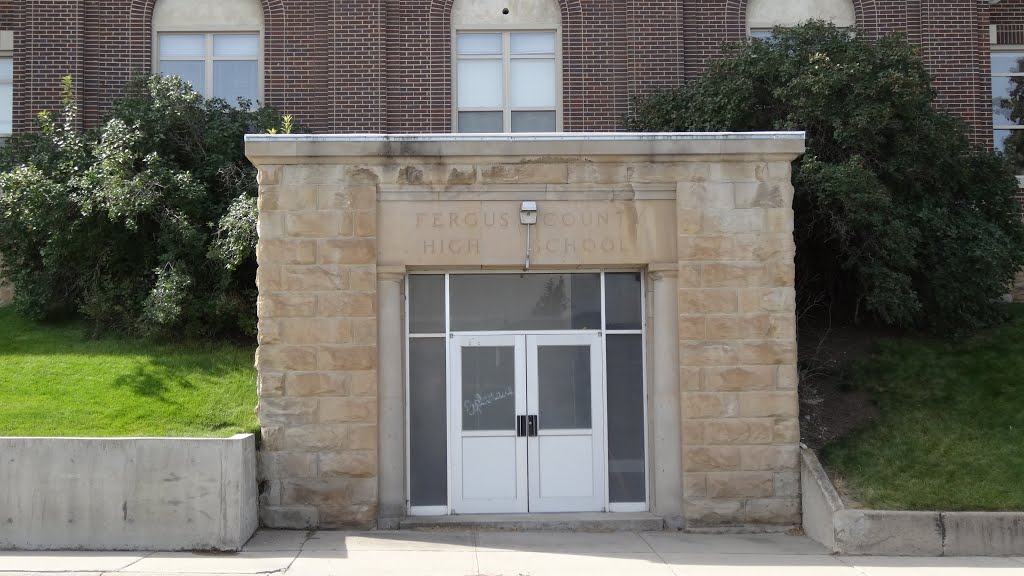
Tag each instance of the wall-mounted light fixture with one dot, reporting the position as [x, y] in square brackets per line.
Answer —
[528, 216]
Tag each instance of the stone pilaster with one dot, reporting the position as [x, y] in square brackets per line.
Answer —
[667, 484]
[737, 344]
[317, 355]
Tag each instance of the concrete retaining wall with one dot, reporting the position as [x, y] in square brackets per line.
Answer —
[127, 493]
[901, 533]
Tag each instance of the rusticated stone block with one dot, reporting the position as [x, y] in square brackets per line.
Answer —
[287, 411]
[285, 305]
[705, 301]
[348, 304]
[695, 485]
[314, 278]
[769, 457]
[329, 491]
[347, 409]
[740, 378]
[711, 458]
[343, 358]
[314, 224]
[705, 248]
[348, 251]
[286, 358]
[713, 512]
[287, 198]
[710, 405]
[692, 328]
[286, 251]
[350, 463]
[734, 274]
[773, 510]
[318, 383]
[769, 404]
[767, 300]
[270, 384]
[736, 431]
[740, 484]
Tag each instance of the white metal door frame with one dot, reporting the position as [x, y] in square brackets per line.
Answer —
[449, 425]
[496, 444]
[545, 445]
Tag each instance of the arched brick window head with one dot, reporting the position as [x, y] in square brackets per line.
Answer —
[506, 63]
[763, 15]
[215, 46]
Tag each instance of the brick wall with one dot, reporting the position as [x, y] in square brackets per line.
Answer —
[385, 65]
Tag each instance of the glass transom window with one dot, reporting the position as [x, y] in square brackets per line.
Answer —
[217, 65]
[506, 82]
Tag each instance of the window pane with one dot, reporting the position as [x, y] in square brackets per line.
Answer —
[534, 121]
[622, 301]
[428, 438]
[471, 44]
[426, 304]
[999, 138]
[1012, 143]
[532, 83]
[236, 45]
[234, 79]
[1007, 93]
[6, 69]
[6, 108]
[480, 122]
[626, 469]
[193, 71]
[480, 84]
[761, 33]
[182, 46]
[1007, 62]
[525, 302]
[488, 388]
[563, 383]
[533, 43]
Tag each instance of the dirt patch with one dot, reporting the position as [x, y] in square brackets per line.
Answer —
[831, 407]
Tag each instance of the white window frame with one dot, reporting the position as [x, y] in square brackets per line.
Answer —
[995, 49]
[506, 58]
[7, 51]
[209, 57]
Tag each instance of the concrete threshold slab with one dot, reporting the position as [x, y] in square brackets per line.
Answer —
[568, 522]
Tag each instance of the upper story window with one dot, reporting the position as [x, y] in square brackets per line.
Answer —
[6, 83]
[506, 82]
[1007, 97]
[764, 15]
[215, 46]
[506, 63]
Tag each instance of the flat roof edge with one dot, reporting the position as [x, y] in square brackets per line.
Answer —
[302, 148]
[529, 137]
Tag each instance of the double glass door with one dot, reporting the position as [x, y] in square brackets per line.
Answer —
[527, 423]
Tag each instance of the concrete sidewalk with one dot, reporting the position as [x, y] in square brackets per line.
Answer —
[505, 553]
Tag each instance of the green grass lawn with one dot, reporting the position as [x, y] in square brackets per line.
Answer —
[951, 431]
[55, 382]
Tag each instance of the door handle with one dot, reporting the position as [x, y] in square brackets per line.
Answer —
[520, 426]
[531, 424]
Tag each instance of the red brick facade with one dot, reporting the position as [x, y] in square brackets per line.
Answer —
[385, 65]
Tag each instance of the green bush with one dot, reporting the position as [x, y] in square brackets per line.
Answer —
[145, 225]
[898, 215]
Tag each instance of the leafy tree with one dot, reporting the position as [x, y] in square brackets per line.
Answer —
[145, 225]
[898, 215]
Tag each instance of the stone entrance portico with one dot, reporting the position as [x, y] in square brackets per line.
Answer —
[707, 218]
